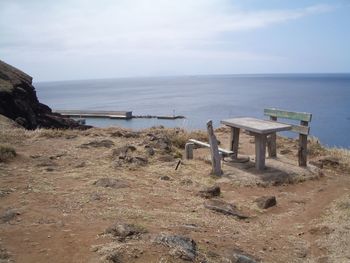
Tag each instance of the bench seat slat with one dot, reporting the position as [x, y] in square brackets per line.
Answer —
[204, 144]
[300, 116]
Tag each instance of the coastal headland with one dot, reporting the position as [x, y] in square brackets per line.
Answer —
[118, 195]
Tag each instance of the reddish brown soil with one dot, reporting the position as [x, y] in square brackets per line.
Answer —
[60, 219]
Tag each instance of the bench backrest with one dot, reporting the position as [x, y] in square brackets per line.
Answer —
[303, 117]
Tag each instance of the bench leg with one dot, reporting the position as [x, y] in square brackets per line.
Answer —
[302, 151]
[271, 145]
[189, 150]
[260, 151]
[234, 141]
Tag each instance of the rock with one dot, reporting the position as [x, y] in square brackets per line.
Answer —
[126, 155]
[182, 247]
[18, 102]
[265, 202]
[150, 151]
[321, 230]
[161, 142]
[238, 257]
[80, 165]
[123, 231]
[210, 192]
[113, 257]
[5, 192]
[285, 151]
[165, 178]
[4, 256]
[9, 214]
[224, 208]
[97, 144]
[186, 182]
[328, 161]
[166, 158]
[111, 182]
[95, 197]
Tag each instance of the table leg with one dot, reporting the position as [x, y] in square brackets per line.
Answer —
[271, 145]
[260, 151]
[234, 140]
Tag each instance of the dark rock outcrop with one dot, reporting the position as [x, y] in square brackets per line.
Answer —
[18, 101]
[182, 247]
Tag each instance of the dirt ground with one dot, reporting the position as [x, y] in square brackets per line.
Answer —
[53, 208]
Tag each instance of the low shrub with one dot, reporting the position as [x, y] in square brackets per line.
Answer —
[6, 153]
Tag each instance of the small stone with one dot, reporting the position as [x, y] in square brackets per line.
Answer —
[123, 231]
[224, 208]
[98, 144]
[111, 182]
[210, 192]
[285, 151]
[165, 178]
[9, 214]
[238, 256]
[150, 151]
[265, 202]
[80, 165]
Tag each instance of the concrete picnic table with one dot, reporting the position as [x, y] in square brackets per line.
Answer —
[258, 128]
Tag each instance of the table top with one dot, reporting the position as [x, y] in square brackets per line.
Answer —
[257, 125]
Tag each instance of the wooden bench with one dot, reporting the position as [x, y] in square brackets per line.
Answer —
[215, 151]
[303, 129]
[190, 146]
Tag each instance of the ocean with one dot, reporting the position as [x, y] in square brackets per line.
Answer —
[199, 98]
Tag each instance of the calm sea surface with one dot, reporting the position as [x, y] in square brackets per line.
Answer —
[199, 98]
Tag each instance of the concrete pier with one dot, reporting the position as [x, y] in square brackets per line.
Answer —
[96, 114]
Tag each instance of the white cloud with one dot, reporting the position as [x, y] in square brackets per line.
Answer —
[138, 28]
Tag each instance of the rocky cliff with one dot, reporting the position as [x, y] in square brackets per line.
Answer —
[18, 101]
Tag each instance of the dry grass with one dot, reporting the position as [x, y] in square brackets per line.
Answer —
[6, 153]
[337, 219]
[315, 148]
[179, 137]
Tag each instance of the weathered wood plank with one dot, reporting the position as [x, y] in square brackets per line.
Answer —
[300, 129]
[234, 142]
[204, 144]
[260, 151]
[302, 151]
[271, 142]
[256, 125]
[189, 150]
[300, 116]
[215, 156]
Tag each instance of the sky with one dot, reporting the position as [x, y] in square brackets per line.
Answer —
[87, 39]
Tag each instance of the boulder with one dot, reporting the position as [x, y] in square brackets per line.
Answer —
[265, 202]
[18, 102]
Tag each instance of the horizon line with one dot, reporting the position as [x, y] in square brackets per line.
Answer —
[194, 75]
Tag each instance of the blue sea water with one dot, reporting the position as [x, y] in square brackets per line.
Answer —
[199, 98]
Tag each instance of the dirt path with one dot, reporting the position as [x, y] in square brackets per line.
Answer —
[62, 214]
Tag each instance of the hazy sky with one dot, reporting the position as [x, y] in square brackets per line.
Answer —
[79, 39]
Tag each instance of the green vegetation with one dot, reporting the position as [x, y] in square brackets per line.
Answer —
[6, 153]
